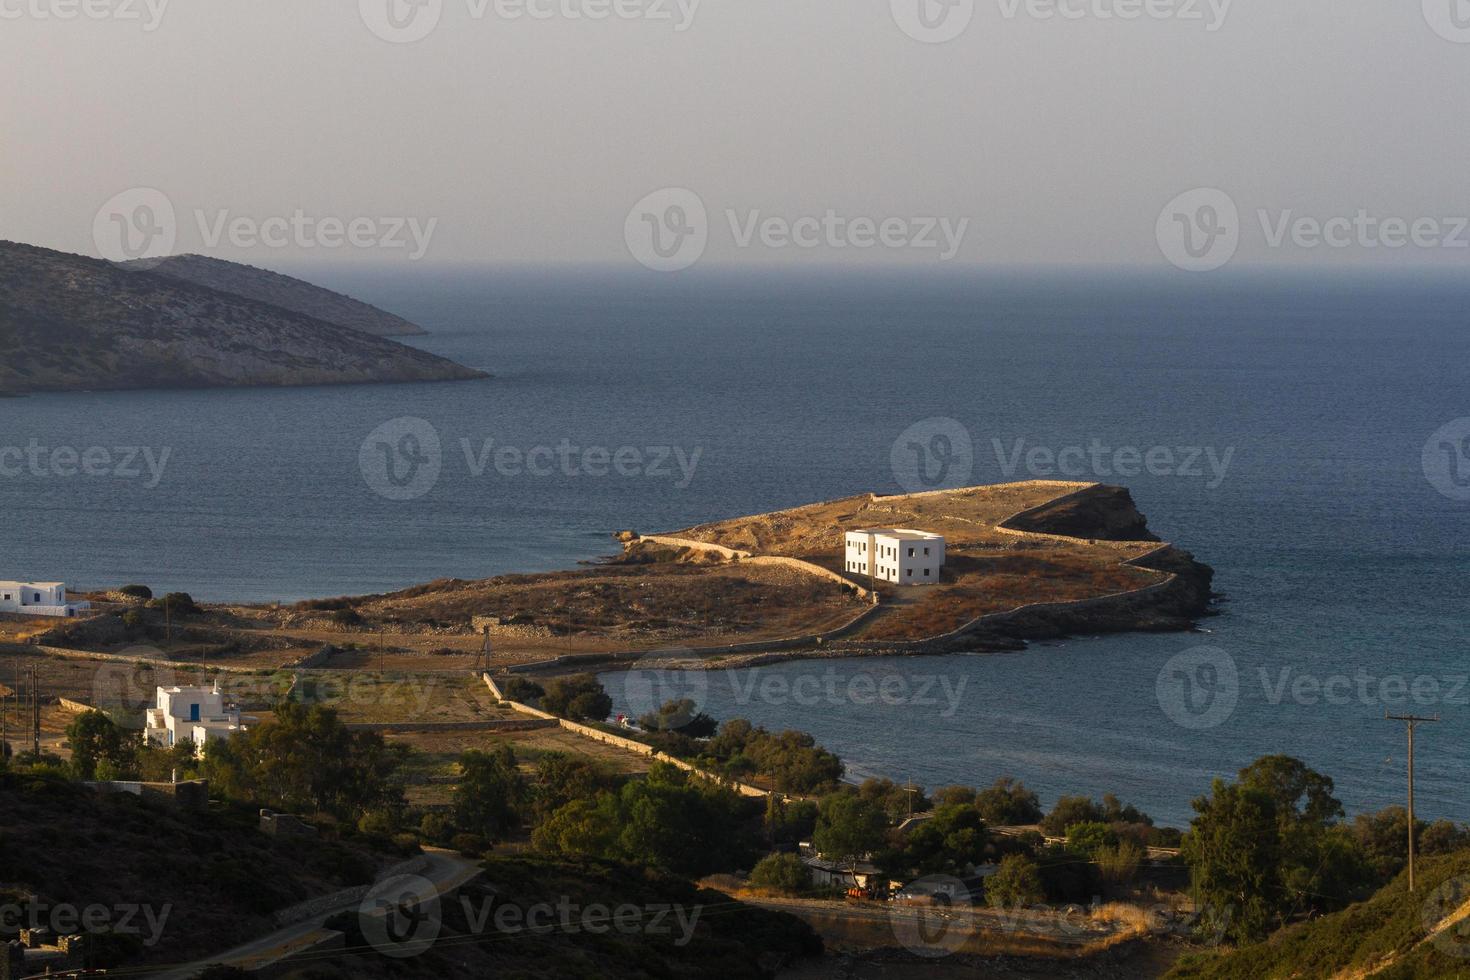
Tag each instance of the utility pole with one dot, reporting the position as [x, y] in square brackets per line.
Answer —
[35, 715]
[1411, 721]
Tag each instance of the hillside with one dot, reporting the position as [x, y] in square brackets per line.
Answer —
[217, 875]
[287, 292]
[1394, 935]
[68, 322]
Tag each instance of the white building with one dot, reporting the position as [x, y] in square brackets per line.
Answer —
[195, 713]
[895, 554]
[38, 599]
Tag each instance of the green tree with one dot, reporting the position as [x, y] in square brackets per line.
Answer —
[491, 793]
[682, 716]
[1089, 838]
[1233, 849]
[305, 759]
[1071, 810]
[848, 827]
[1015, 884]
[95, 739]
[950, 842]
[1008, 803]
[785, 874]
[561, 778]
[579, 698]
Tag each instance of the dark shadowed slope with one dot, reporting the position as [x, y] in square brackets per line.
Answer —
[286, 292]
[69, 322]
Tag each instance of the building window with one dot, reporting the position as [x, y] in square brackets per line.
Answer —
[911, 552]
[926, 573]
[926, 552]
[911, 573]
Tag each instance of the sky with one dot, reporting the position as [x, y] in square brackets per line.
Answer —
[1177, 134]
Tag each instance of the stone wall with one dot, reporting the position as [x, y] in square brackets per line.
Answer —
[631, 745]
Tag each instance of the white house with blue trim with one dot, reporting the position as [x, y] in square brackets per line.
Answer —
[38, 599]
[195, 713]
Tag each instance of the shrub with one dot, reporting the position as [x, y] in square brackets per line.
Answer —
[1015, 884]
[522, 690]
[436, 828]
[347, 617]
[381, 823]
[177, 604]
[137, 592]
[470, 845]
[134, 619]
[782, 873]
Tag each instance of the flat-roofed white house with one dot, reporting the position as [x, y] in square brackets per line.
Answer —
[895, 554]
[38, 599]
[195, 713]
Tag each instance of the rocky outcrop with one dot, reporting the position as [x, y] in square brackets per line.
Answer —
[68, 322]
[285, 292]
[1100, 513]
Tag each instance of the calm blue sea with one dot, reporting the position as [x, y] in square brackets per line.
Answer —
[1339, 557]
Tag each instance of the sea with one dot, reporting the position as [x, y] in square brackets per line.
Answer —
[1304, 433]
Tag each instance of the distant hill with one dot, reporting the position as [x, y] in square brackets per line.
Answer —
[1394, 935]
[68, 322]
[286, 292]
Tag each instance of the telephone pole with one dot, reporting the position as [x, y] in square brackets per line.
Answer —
[1411, 721]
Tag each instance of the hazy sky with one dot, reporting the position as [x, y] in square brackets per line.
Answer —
[1037, 139]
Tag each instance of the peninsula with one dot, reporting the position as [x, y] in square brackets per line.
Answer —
[1025, 561]
[69, 323]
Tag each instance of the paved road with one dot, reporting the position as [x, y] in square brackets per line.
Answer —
[446, 870]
